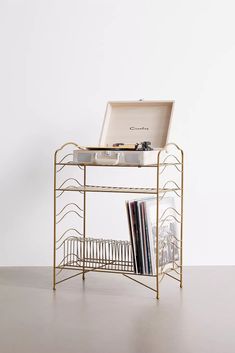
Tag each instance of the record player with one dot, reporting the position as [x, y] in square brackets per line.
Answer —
[131, 134]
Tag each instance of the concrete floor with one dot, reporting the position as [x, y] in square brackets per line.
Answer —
[110, 313]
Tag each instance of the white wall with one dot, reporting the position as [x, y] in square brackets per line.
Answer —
[62, 60]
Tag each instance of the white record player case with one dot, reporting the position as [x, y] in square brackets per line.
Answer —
[131, 122]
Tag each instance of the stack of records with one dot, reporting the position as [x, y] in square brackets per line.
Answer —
[142, 225]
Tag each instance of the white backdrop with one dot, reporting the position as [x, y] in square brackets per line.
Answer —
[62, 60]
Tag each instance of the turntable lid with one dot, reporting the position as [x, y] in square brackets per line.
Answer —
[137, 121]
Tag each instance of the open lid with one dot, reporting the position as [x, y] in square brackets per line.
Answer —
[136, 121]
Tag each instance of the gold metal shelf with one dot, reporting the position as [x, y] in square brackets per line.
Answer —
[74, 250]
[113, 189]
[118, 165]
[106, 255]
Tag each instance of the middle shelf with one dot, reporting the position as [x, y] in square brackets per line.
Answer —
[120, 189]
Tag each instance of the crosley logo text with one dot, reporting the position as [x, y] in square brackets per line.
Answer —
[138, 128]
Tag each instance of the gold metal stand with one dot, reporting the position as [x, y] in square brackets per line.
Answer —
[74, 250]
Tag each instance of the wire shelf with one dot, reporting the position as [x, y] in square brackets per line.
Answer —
[97, 188]
[71, 163]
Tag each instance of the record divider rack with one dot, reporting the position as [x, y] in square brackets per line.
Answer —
[74, 250]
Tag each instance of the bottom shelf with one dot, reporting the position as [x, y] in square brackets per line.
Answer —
[104, 255]
[120, 270]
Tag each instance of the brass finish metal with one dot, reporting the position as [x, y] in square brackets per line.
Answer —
[118, 165]
[94, 188]
[84, 222]
[168, 274]
[54, 216]
[102, 269]
[79, 252]
[70, 204]
[135, 280]
[157, 228]
[181, 227]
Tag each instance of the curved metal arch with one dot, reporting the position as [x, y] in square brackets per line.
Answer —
[164, 193]
[72, 179]
[62, 147]
[58, 170]
[70, 254]
[169, 156]
[173, 144]
[67, 144]
[63, 166]
[68, 230]
[72, 237]
[69, 154]
[68, 204]
[167, 209]
[162, 222]
[71, 211]
[169, 165]
[171, 182]
[165, 149]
